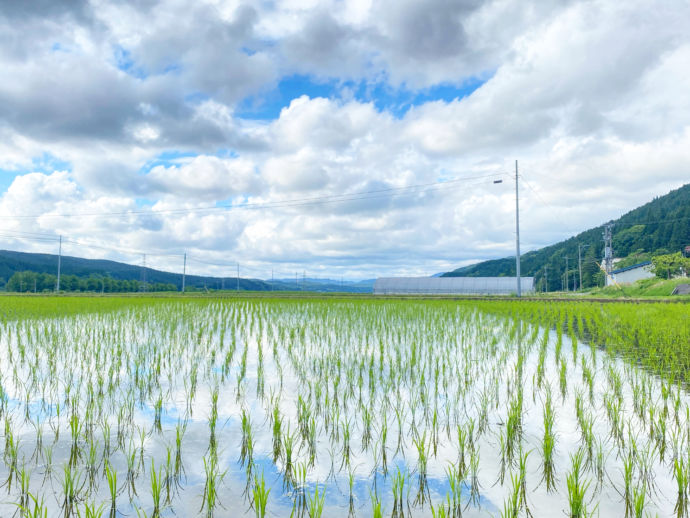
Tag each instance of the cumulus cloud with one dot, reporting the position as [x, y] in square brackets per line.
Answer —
[137, 102]
[205, 178]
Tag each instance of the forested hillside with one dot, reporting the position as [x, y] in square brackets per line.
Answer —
[658, 227]
[74, 268]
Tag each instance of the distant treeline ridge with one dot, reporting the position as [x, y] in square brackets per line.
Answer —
[29, 282]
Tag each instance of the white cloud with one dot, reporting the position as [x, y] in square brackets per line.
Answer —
[205, 178]
[592, 97]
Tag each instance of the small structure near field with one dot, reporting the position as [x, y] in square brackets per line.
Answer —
[630, 274]
[681, 289]
[451, 285]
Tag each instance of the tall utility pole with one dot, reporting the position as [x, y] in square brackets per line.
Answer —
[546, 278]
[579, 260]
[184, 270]
[517, 232]
[143, 273]
[567, 277]
[59, 264]
[238, 276]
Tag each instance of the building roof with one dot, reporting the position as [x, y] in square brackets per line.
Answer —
[451, 285]
[634, 266]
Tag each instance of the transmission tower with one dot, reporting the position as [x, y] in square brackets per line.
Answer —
[608, 249]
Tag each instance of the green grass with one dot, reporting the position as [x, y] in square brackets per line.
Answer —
[653, 287]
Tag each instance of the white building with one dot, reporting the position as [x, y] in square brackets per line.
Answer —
[630, 274]
[452, 285]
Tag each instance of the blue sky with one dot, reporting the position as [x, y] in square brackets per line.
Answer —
[396, 100]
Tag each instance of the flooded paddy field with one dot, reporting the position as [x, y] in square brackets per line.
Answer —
[337, 408]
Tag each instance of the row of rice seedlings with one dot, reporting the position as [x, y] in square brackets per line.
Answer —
[360, 383]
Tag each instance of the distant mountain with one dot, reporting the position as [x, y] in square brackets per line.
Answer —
[324, 285]
[658, 227]
[12, 262]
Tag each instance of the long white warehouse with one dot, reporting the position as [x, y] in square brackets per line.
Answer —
[452, 285]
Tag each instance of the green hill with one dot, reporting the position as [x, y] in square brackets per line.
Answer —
[13, 262]
[658, 227]
[94, 270]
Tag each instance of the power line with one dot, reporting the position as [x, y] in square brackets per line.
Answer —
[294, 202]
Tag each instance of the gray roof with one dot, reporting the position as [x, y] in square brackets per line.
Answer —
[638, 265]
[452, 285]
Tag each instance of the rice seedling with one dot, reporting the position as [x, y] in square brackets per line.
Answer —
[24, 477]
[577, 487]
[513, 504]
[71, 488]
[474, 475]
[422, 483]
[600, 459]
[38, 509]
[299, 503]
[639, 497]
[455, 477]
[523, 481]
[681, 474]
[563, 379]
[260, 496]
[397, 486]
[316, 501]
[156, 480]
[157, 411]
[277, 435]
[111, 477]
[214, 477]
[247, 446]
[376, 505]
[91, 510]
[548, 444]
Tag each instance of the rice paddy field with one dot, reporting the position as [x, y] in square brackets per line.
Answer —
[333, 407]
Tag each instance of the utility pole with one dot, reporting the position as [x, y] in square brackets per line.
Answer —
[271, 279]
[143, 273]
[546, 279]
[517, 232]
[304, 280]
[579, 260]
[59, 264]
[184, 270]
[567, 277]
[238, 277]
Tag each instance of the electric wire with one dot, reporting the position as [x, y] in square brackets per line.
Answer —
[294, 202]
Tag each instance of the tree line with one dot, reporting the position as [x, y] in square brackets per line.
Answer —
[33, 282]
